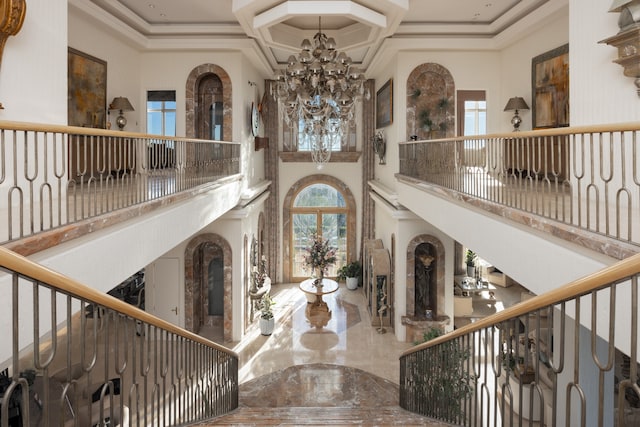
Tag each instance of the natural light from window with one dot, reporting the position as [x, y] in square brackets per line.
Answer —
[475, 121]
[161, 113]
[318, 207]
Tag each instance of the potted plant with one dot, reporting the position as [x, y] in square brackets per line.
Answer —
[350, 273]
[267, 322]
[470, 261]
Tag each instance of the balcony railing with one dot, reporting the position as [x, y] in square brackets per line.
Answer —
[568, 357]
[103, 359]
[586, 178]
[54, 176]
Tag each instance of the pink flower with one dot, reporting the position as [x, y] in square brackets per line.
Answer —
[319, 254]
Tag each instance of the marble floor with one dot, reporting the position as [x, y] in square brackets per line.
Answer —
[348, 339]
[289, 377]
[294, 375]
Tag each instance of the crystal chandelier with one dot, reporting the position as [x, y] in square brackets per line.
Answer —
[317, 94]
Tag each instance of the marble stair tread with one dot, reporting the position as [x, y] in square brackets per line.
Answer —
[322, 416]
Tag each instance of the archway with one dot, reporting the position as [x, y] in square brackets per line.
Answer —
[430, 102]
[208, 92]
[426, 272]
[208, 276]
[350, 219]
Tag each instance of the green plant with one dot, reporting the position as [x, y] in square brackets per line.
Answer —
[429, 335]
[447, 382]
[352, 269]
[509, 361]
[470, 258]
[425, 119]
[265, 307]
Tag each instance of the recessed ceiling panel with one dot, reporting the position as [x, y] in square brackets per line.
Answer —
[357, 25]
[456, 11]
[180, 11]
[330, 22]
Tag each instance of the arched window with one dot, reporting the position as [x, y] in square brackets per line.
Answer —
[320, 207]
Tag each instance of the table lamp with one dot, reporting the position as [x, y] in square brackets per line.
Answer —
[122, 104]
[516, 103]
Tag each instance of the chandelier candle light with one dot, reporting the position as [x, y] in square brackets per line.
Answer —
[318, 90]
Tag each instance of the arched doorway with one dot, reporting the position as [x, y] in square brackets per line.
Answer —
[208, 103]
[208, 279]
[322, 202]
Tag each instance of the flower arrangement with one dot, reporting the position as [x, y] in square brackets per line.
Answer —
[319, 255]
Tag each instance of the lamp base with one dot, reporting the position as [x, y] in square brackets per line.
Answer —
[516, 121]
[121, 121]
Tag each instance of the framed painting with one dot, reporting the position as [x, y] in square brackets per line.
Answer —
[87, 86]
[550, 88]
[384, 105]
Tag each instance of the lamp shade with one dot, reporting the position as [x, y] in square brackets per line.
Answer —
[516, 103]
[121, 103]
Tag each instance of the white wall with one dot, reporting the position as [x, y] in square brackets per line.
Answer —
[33, 76]
[406, 226]
[123, 64]
[232, 227]
[600, 93]
[470, 71]
[501, 73]
[176, 67]
[515, 69]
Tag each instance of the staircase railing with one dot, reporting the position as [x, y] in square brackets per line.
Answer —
[567, 357]
[73, 356]
[54, 176]
[587, 178]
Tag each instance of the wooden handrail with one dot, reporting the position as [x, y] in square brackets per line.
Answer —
[76, 130]
[24, 266]
[582, 286]
[574, 130]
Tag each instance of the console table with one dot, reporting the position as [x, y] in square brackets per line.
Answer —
[544, 157]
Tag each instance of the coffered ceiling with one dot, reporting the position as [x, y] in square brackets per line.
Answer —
[277, 27]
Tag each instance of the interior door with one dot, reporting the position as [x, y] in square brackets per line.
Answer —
[167, 305]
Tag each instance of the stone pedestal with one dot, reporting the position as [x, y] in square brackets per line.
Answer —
[416, 327]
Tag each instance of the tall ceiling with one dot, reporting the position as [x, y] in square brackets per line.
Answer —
[277, 27]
